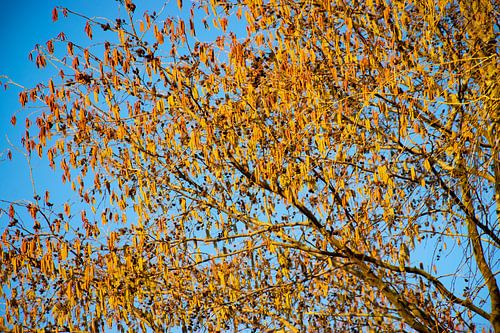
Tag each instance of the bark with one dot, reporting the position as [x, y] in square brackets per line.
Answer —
[482, 264]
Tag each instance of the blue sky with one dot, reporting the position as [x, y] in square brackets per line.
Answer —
[24, 24]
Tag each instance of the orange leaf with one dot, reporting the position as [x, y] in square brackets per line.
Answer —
[55, 15]
[88, 30]
[67, 209]
[50, 46]
[11, 211]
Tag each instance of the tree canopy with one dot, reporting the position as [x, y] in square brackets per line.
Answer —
[264, 166]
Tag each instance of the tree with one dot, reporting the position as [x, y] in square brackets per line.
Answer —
[310, 168]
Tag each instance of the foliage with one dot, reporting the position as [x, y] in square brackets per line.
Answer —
[304, 166]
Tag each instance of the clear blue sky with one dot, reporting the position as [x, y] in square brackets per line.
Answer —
[23, 24]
